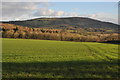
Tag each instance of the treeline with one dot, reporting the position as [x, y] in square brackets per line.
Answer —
[16, 31]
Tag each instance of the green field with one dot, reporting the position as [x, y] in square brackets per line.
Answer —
[24, 58]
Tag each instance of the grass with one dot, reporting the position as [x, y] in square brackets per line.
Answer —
[24, 58]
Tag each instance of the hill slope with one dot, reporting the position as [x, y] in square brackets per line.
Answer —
[79, 22]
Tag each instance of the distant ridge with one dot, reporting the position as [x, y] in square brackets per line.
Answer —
[78, 22]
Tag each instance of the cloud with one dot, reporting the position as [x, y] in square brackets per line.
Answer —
[19, 10]
[52, 13]
[28, 10]
[44, 12]
[12, 10]
[25, 0]
[105, 17]
[60, 13]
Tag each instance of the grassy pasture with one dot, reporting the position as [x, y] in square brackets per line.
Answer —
[24, 58]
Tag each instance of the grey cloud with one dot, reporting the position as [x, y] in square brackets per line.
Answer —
[18, 9]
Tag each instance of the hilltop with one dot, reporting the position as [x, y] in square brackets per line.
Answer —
[76, 22]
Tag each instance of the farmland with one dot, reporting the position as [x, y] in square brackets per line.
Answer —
[27, 58]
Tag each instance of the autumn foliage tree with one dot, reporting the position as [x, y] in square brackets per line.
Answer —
[66, 34]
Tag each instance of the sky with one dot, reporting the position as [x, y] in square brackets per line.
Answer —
[104, 11]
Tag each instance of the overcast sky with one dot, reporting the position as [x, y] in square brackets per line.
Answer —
[104, 11]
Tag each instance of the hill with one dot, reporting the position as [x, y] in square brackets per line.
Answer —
[77, 22]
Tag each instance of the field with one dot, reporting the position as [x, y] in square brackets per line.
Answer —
[59, 59]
